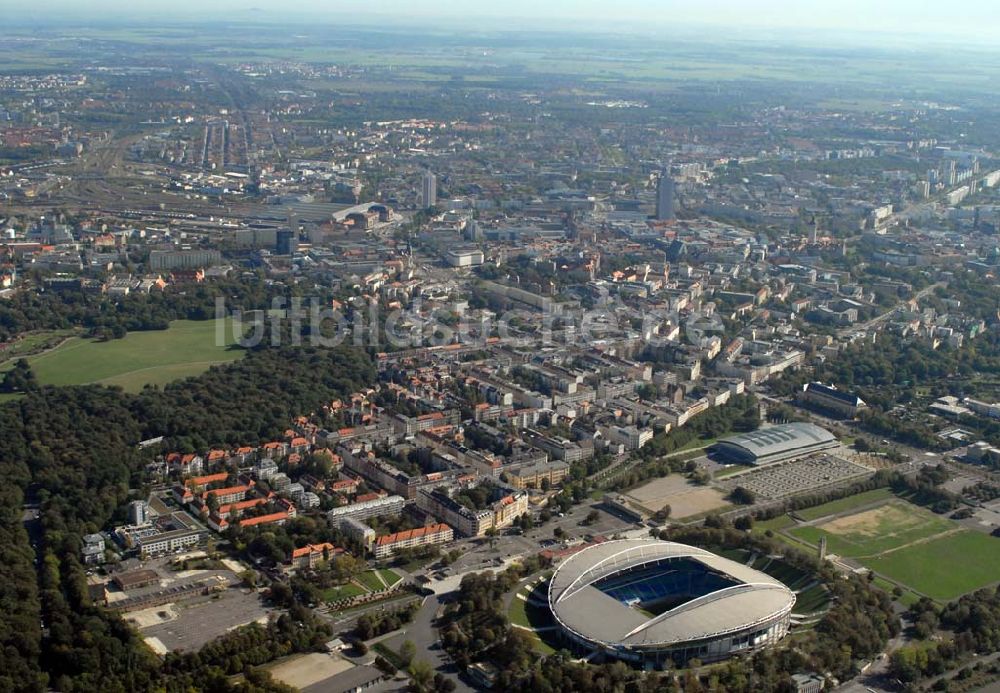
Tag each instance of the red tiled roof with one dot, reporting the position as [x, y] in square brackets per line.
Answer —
[316, 548]
[228, 490]
[241, 505]
[264, 519]
[207, 479]
[411, 534]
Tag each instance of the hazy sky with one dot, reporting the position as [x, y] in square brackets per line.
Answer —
[972, 17]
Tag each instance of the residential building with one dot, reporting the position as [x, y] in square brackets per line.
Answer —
[312, 555]
[535, 475]
[388, 544]
[377, 507]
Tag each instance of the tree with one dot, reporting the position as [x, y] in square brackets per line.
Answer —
[421, 676]
[491, 534]
[19, 379]
[662, 514]
[558, 533]
[345, 567]
[648, 392]
[407, 652]
[743, 496]
[592, 517]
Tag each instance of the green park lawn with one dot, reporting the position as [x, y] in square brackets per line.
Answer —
[370, 581]
[186, 349]
[391, 577]
[335, 594]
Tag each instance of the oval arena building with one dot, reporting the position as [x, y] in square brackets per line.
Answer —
[659, 603]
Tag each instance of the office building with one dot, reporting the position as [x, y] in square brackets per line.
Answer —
[429, 193]
[665, 197]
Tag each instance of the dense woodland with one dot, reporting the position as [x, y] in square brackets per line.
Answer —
[73, 450]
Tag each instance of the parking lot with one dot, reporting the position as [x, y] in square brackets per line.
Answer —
[194, 622]
[784, 479]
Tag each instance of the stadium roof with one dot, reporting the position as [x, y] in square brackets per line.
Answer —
[778, 441]
[581, 607]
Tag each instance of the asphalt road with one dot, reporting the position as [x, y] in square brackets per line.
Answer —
[424, 636]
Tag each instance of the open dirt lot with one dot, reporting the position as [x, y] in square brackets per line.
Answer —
[683, 497]
[300, 672]
[877, 521]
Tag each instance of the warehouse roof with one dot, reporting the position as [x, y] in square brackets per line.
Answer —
[777, 441]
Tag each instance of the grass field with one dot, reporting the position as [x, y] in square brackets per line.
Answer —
[926, 553]
[872, 532]
[845, 504]
[814, 599]
[730, 470]
[365, 582]
[528, 616]
[391, 577]
[335, 594]
[774, 524]
[907, 599]
[369, 580]
[946, 567]
[187, 348]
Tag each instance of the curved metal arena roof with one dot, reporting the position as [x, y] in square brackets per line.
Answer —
[776, 440]
[588, 612]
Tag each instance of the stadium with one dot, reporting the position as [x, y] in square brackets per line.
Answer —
[774, 444]
[660, 603]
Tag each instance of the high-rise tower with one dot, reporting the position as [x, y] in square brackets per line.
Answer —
[429, 194]
[665, 197]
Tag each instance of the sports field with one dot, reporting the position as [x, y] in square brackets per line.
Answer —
[141, 358]
[945, 567]
[908, 544]
[870, 533]
[844, 504]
